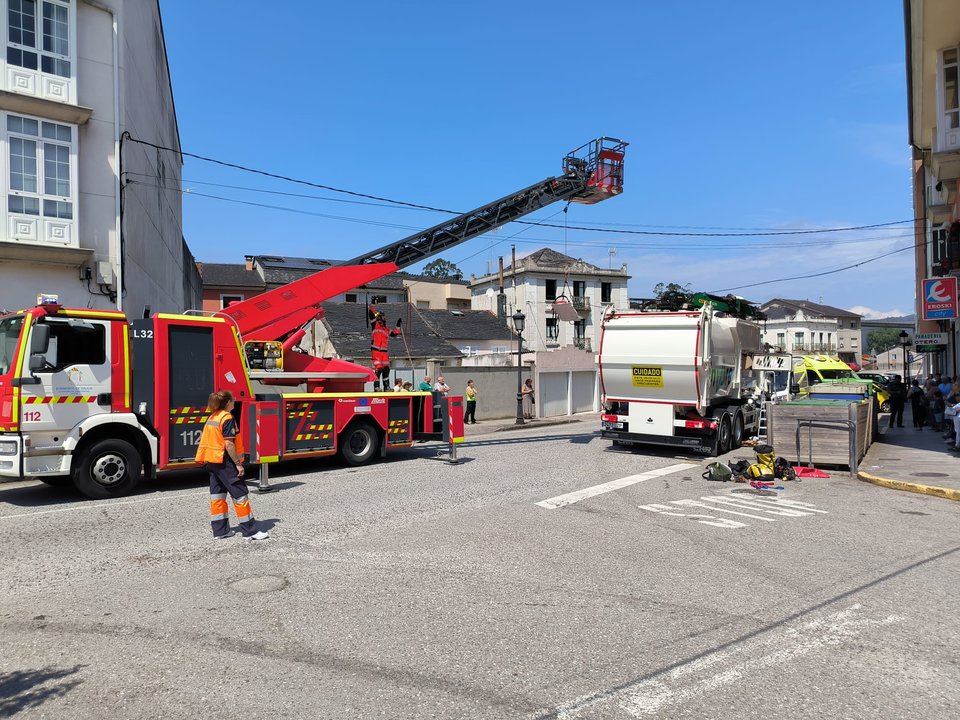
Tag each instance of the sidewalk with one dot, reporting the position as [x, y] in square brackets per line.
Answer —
[913, 460]
[507, 424]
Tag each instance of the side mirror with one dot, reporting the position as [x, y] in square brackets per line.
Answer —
[39, 340]
[795, 389]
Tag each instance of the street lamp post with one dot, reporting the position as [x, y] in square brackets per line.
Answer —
[518, 322]
[905, 343]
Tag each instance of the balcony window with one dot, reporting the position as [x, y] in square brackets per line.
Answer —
[606, 292]
[40, 53]
[579, 330]
[951, 100]
[798, 339]
[553, 329]
[41, 190]
[781, 340]
[50, 42]
[550, 289]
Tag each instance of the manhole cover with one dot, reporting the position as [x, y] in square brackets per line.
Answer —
[259, 584]
[929, 474]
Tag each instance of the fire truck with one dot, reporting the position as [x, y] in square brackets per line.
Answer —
[92, 398]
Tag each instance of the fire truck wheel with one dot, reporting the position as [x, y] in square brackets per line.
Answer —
[886, 406]
[724, 435]
[358, 443]
[108, 468]
[737, 440]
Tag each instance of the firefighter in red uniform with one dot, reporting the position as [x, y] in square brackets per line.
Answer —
[379, 338]
[221, 451]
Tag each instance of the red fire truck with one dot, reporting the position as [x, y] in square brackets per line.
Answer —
[88, 397]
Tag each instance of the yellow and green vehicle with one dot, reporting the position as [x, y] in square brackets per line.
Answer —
[810, 370]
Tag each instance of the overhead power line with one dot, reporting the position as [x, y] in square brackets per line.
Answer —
[584, 228]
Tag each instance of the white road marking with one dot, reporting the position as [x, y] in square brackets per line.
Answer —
[570, 498]
[723, 504]
[693, 680]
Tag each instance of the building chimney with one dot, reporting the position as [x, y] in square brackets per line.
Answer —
[248, 262]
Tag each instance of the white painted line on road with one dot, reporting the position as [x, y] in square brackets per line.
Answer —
[693, 680]
[570, 498]
[74, 508]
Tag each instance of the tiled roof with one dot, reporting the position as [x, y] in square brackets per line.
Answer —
[350, 332]
[233, 276]
[467, 324]
[778, 308]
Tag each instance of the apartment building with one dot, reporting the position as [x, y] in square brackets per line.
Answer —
[802, 327]
[932, 29]
[562, 298]
[91, 212]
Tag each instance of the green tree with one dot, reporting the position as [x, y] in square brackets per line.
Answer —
[442, 269]
[882, 340]
[660, 288]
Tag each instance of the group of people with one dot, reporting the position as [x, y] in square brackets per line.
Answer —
[934, 404]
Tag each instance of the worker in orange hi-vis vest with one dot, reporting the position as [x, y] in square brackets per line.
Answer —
[380, 354]
[221, 451]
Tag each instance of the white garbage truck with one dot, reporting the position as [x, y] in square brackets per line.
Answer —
[685, 370]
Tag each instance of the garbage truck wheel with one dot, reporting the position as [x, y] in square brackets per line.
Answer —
[724, 435]
[737, 439]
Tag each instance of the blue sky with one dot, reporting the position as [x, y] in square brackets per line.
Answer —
[745, 117]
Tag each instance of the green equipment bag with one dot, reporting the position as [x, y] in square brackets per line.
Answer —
[718, 472]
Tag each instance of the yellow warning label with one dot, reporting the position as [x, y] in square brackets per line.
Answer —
[647, 376]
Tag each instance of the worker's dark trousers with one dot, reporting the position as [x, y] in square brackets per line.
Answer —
[468, 416]
[896, 413]
[223, 480]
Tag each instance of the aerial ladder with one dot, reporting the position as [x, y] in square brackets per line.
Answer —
[271, 325]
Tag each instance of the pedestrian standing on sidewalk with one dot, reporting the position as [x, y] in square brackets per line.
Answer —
[526, 394]
[938, 408]
[220, 451]
[469, 417]
[441, 386]
[898, 395]
[918, 404]
[956, 424]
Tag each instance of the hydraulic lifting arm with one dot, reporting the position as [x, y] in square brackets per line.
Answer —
[591, 173]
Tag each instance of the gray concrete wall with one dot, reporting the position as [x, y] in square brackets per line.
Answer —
[496, 388]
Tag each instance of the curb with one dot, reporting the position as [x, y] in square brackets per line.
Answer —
[936, 491]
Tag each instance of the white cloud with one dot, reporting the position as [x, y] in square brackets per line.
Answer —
[872, 314]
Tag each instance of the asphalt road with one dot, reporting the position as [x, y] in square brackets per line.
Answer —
[547, 576]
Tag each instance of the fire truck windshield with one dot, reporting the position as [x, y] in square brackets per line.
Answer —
[9, 334]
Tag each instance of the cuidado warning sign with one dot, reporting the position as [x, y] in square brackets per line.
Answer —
[649, 376]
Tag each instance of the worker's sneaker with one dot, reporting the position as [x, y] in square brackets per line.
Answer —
[228, 534]
[259, 535]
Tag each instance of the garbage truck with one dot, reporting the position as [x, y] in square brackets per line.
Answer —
[685, 370]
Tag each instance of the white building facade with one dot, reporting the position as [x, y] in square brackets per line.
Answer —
[562, 298]
[90, 159]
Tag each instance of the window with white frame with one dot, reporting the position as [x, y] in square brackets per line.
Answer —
[41, 165]
[226, 300]
[950, 77]
[40, 48]
[39, 156]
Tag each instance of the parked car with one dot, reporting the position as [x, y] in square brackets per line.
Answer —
[879, 381]
[877, 378]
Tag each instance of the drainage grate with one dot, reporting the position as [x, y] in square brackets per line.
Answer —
[929, 474]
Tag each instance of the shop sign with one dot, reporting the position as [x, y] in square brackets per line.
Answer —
[939, 298]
